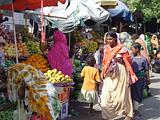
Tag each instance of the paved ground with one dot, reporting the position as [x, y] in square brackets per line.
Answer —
[150, 108]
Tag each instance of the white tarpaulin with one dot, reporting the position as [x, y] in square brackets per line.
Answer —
[69, 15]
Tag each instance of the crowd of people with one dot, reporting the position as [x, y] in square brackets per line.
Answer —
[123, 73]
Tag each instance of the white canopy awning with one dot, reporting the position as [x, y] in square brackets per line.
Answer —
[75, 11]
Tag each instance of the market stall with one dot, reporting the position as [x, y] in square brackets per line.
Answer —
[35, 72]
[31, 54]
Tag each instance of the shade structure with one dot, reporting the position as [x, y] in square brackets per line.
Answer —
[121, 11]
[20, 5]
[75, 12]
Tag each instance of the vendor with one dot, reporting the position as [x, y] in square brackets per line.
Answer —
[58, 55]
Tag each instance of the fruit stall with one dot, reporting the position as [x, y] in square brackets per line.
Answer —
[32, 58]
[28, 81]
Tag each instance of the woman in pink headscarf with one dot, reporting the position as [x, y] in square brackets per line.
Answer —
[58, 56]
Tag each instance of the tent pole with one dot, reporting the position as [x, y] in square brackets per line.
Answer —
[42, 24]
[136, 25]
[25, 19]
[15, 42]
[121, 27]
[69, 40]
[33, 28]
[15, 37]
[144, 26]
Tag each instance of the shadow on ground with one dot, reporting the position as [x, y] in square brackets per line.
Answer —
[151, 106]
[83, 111]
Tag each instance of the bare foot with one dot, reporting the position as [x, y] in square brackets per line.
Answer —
[128, 118]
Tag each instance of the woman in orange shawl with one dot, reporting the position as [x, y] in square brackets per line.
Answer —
[118, 75]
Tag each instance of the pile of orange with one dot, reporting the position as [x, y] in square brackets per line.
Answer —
[22, 48]
[38, 61]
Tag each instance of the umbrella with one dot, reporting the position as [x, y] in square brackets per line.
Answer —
[121, 11]
[21, 5]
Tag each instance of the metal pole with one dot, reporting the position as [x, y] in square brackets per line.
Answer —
[15, 37]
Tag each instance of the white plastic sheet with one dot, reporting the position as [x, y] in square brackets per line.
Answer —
[66, 17]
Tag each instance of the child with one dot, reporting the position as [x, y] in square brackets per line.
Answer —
[91, 76]
[140, 67]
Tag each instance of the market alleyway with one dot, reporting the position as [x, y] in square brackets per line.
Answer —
[150, 108]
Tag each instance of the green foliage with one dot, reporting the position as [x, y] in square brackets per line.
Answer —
[133, 4]
[149, 8]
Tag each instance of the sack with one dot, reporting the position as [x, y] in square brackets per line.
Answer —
[145, 93]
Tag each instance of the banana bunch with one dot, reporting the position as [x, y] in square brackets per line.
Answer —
[92, 46]
[56, 76]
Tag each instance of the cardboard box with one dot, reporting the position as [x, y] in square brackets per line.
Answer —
[64, 111]
[64, 95]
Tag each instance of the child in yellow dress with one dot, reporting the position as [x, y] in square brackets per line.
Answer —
[91, 76]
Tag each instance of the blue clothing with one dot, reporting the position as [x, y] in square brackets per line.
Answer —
[139, 66]
[137, 90]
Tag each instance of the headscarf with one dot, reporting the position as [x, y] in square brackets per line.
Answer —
[125, 39]
[144, 52]
[154, 41]
[111, 33]
[142, 37]
[58, 56]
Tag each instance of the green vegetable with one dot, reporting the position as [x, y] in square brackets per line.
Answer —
[6, 115]
[77, 63]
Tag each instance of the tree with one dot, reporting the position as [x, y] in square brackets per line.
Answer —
[149, 8]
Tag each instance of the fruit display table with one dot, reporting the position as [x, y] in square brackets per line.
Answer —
[63, 84]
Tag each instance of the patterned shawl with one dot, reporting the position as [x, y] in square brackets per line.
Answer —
[109, 54]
